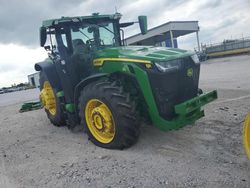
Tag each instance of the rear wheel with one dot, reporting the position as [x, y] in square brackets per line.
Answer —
[51, 102]
[246, 135]
[108, 115]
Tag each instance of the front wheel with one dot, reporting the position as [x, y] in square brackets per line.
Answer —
[108, 115]
[246, 135]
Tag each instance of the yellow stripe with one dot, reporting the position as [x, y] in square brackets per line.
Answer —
[229, 52]
[100, 61]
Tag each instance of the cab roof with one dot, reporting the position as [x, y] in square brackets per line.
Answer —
[53, 22]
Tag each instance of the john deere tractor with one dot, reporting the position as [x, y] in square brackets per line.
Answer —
[91, 79]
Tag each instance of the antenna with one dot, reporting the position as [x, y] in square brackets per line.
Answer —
[115, 9]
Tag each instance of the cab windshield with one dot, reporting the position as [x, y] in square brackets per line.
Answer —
[96, 35]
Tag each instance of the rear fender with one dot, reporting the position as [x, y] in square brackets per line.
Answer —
[50, 70]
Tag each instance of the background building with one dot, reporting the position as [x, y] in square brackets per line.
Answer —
[166, 34]
[227, 47]
[34, 79]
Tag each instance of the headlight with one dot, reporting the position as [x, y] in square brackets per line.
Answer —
[195, 58]
[168, 66]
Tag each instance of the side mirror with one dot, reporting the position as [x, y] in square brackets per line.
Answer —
[43, 36]
[143, 24]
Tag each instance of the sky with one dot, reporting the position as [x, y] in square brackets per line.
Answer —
[20, 21]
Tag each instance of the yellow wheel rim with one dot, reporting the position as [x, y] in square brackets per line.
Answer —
[246, 135]
[100, 121]
[48, 99]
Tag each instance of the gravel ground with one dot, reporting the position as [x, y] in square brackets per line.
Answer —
[33, 153]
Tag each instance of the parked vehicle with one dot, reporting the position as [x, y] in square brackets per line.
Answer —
[91, 78]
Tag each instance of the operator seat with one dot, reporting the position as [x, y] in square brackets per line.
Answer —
[79, 47]
[81, 60]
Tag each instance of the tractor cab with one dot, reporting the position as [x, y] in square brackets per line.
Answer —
[88, 33]
[85, 34]
[77, 39]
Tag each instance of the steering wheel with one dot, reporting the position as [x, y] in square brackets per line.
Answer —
[92, 43]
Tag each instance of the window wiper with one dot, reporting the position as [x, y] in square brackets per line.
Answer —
[102, 27]
[83, 34]
[106, 29]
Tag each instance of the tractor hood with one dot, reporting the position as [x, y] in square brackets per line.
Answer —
[149, 53]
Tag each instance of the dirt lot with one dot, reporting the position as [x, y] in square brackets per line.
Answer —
[33, 153]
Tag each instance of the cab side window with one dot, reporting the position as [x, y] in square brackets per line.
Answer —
[64, 40]
[51, 42]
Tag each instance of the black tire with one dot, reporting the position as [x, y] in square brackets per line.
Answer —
[127, 124]
[58, 119]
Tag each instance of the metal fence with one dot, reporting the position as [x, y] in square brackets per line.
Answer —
[227, 45]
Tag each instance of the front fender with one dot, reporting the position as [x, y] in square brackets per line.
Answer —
[85, 82]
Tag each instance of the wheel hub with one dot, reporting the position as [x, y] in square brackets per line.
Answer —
[100, 120]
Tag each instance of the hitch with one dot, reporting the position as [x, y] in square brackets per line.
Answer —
[195, 103]
[30, 106]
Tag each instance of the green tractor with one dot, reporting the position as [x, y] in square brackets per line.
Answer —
[92, 80]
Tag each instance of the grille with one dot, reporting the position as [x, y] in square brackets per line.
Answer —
[173, 88]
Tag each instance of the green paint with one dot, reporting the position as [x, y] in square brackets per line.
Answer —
[60, 94]
[70, 108]
[148, 53]
[195, 103]
[31, 106]
[188, 112]
[143, 24]
[190, 72]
